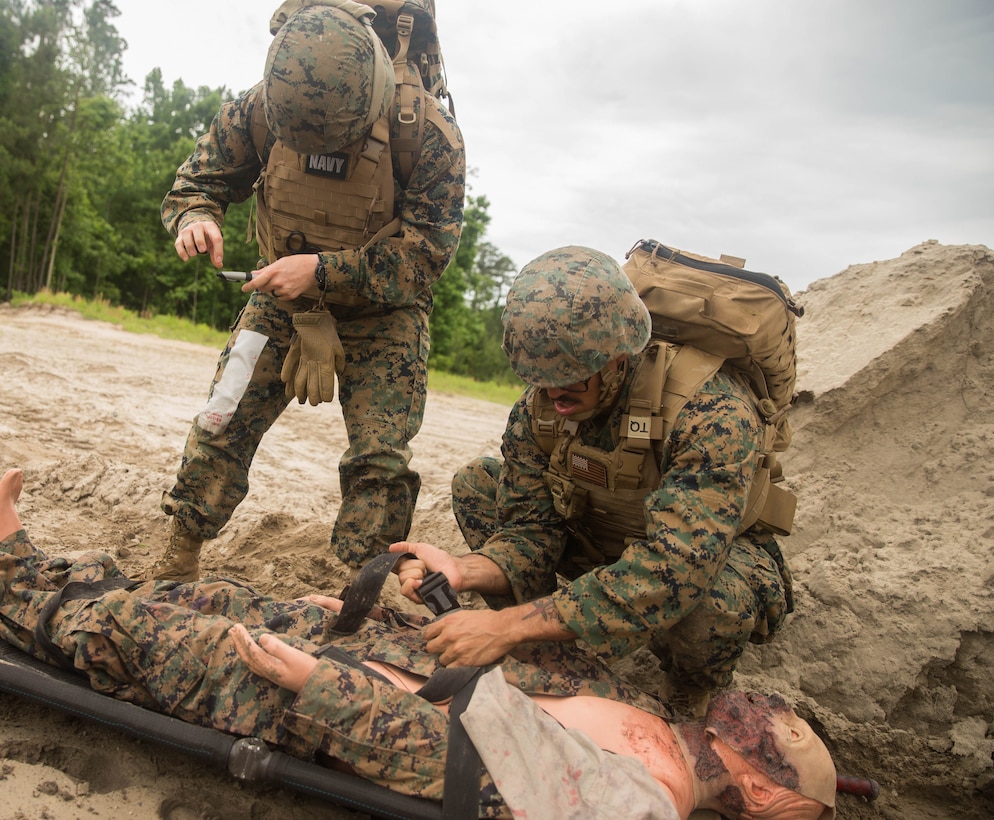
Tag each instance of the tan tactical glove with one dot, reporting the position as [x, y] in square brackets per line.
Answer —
[315, 355]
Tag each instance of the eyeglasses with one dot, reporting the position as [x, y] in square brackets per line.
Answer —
[578, 387]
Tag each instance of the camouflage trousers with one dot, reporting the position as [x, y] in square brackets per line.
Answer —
[748, 601]
[382, 395]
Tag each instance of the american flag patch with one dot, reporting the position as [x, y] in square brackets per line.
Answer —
[591, 471]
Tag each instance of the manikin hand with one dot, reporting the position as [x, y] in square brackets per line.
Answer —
[273, 659]
[328, 602]
[335, 605]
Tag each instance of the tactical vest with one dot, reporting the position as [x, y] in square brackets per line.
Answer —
[601, 494]
[324, 202]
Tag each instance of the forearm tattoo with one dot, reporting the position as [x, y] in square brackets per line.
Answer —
[543, 608]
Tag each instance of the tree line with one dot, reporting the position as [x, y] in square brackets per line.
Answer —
[83, 173]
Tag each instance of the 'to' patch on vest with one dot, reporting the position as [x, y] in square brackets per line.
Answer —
[334, 166]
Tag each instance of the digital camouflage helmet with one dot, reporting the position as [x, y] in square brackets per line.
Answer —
[570, 312]
[328, 77]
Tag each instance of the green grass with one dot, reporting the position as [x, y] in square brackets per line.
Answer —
[505, 394]
[167, 327]
[172, 327]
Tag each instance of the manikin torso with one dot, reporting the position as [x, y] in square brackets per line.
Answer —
[614, 727]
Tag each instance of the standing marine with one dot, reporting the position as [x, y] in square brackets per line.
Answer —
[358, 174]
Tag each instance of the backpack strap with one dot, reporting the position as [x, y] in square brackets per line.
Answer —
[259, 129]
[689, 369]
[407, 132]
[768, 505]
[669, 377]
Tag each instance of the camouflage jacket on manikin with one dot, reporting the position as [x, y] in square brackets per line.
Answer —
[165, 646]
[225, 168]
[688, 527]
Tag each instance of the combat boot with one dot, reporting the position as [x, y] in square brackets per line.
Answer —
[181, 561]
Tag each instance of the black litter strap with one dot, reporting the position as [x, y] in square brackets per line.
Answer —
[73, 591]
[463, 766]
[364, 591]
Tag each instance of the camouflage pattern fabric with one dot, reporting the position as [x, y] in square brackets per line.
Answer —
[382, 390]
[328, 78]
[165, 646]
[382, 394]
[690, 590]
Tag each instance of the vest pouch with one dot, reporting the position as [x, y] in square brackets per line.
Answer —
[612, 520]
[756, 502]
[337, 201]
[569, 499]
[778, 511]
[770, 507]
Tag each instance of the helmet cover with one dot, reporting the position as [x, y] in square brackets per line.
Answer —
[328, 79]
[568, 314]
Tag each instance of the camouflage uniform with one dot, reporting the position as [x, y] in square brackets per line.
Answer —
[165, 646]
[385, 338]
[689, 589]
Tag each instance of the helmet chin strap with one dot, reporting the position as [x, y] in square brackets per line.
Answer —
[611, 380]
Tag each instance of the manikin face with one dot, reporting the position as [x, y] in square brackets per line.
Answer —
[775, 741]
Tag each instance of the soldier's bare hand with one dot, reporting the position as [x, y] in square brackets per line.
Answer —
[468, 638]
[286, 278]
[273, 659]
[428, 558]
[201, 237]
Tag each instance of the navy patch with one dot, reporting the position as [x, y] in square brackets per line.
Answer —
[334, 165]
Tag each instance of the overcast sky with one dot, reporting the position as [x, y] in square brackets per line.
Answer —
[804, 136]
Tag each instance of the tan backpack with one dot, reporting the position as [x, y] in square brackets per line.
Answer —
[741, 320]
[717, 306]
[707, 314]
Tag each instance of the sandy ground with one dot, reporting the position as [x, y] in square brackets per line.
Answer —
[889, 653]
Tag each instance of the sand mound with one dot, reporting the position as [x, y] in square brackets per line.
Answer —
[893, 461]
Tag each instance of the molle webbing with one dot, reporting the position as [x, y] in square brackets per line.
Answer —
[408, 132]
[337, 201]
